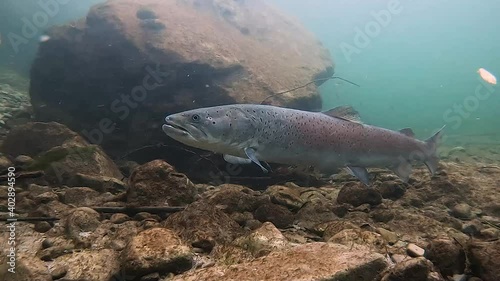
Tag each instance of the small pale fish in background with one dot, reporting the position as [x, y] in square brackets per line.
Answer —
[487, 76]
[44, 38]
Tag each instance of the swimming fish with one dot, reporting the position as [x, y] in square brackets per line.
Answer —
[328, 141]
[487, 76]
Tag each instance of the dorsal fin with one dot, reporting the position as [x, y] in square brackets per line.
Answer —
[408, 132]
[347, 113]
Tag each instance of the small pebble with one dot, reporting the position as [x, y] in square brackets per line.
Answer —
[151, 277]
[414, 250]
[47, 243]
[490, 233]
[42, 226]
[459, 277]
[119, 218]
[397, 258]
[472, 227]
[389, 236]
[461, 211]
[59, 272]
[23, 160]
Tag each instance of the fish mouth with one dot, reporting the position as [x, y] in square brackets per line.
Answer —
[172, 128]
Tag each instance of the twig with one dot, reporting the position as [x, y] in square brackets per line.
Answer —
[134, 210]
[23, 175]
[14, 219]
[307, 84]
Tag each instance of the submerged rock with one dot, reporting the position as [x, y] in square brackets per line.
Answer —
[484, 257]
[285, 196]
[235, 198]
[418, 269]
[357, 194]
[95, 265]
[462, 211]
[81, 221]
[203, 226]
[27, 268]
[58, 151]
[447, 255]
[156, 250]
[278, 215]
[157, 183]
[263, 240]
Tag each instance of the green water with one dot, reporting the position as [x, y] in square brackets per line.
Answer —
[416, 68]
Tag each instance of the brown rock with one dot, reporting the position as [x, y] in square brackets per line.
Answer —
[95, 265]
[156, 250]
[5, 163]
[60, 152]
[285, 196]
[81, 196]
[203, 226]
[357, 238]
[158, 184]
[235, 198]
[27, 268]
[23, 160]
[484, 257]
[241, 218]
[391, 190]
[417, 269]
[45, 197]
[50, 209]
[461, 211]
[34, 138]
[98, 183]
[263, 240]
[312, 261]
[315, 212]
[42, 226]
[356, 194]
[80, 221]
[278, 215]
[59, 272]
[382, 215]
[119, 218]
[336, 226]
[447, 256]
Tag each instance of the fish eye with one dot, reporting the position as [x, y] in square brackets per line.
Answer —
[195, 117]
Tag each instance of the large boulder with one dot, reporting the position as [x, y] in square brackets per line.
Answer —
[114, 75]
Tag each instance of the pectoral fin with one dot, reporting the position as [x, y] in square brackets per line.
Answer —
[250, 152]
[236, 160]
[360, 173]
[403, 170]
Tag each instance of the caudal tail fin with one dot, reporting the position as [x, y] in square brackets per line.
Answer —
[432, 158]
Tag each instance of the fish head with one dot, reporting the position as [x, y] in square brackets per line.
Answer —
[206, 128]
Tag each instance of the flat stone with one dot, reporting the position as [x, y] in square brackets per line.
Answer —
[312, 261]
[414, 250]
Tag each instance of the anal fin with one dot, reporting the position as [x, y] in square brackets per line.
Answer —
[360, 173]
